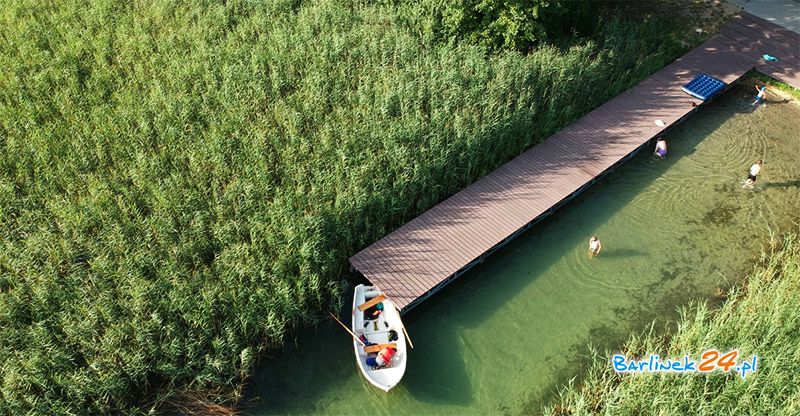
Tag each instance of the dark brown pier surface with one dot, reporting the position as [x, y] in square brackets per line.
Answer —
[422, 256]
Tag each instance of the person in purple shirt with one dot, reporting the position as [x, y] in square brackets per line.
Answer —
[661, 148]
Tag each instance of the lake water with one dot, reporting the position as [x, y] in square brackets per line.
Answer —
[505, 336]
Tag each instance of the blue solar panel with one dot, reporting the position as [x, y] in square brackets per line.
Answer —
[703, 87]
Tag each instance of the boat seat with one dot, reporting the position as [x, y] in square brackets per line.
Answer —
[372, 302]
[379, 347]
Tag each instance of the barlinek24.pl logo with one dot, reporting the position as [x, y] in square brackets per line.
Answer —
[709, 361]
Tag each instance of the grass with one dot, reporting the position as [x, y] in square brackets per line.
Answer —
[762, 317]
[181, 183]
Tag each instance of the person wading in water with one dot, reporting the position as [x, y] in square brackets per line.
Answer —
[752, 173]
[594, 246]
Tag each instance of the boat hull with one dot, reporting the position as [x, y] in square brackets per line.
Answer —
[377, 332]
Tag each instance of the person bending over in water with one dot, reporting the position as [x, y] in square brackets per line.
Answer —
[594, 246]
[752, 173]
[762, 92]
[661, 148]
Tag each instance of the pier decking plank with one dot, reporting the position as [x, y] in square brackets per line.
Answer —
[424, 254]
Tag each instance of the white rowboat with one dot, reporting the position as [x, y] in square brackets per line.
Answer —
[377, 332]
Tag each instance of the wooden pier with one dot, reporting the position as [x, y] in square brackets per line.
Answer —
[422, 256]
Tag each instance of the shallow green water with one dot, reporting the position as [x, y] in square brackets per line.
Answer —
[505, 336]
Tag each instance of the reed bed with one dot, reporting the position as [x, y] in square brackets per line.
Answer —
[761, 317]
[181, 183]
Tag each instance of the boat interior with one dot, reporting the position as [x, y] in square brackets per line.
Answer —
[377, 331]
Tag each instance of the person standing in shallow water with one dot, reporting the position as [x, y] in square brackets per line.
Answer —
[594, 246]
[762, 92]
[752, 173]
[661, 148]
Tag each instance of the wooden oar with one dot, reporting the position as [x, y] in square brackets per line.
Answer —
[404, 329]
[348, 329]
[408, 337]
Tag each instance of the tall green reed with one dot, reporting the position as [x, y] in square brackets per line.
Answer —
[182, 183]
